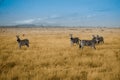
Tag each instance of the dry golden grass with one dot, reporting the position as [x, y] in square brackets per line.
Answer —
[51, 57]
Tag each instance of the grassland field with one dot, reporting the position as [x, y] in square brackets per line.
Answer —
[51, 57]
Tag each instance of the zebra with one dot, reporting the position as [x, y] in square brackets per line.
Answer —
[22, 42]
[100, 39]
[90, 43]
[95, 39]
[74, 40]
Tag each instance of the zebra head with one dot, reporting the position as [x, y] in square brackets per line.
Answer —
[97, 36]
[93, 36]
[18, 39]
[95, 39]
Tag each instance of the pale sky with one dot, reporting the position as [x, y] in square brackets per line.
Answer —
[60, 12]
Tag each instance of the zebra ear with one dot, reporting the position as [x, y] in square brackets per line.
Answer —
[97, 35]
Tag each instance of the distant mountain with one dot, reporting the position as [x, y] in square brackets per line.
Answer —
[25, 25]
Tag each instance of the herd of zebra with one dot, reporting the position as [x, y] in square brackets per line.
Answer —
[95, 40]
[74, 40]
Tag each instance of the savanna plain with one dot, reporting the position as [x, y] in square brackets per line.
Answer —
[51, 56]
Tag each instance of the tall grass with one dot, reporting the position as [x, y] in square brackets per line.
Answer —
[51, 57]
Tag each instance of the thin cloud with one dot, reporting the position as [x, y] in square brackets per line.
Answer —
[102, 10]
[54, 16]
[28, 21]
[54, 19]
[47, 17]
[51, 19]
[91, 15]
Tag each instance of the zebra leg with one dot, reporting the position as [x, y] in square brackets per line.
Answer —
[19, 46]
[79, 46]
[94, 47]
[27, 45]
[103, 41]
[77, 43]
[71, 43]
